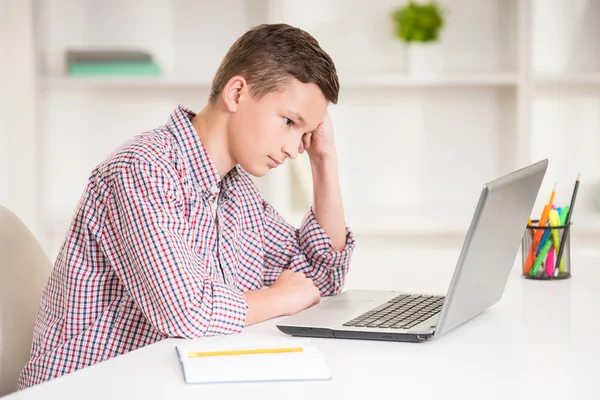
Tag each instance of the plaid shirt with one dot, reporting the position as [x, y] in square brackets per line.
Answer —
[144, 259]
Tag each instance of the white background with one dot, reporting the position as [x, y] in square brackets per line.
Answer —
[520, 81]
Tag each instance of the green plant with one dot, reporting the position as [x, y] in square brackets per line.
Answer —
[415, 22]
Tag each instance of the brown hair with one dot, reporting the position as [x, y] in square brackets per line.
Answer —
[269, 54]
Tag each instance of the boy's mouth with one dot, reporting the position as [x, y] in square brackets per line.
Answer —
[274, 162]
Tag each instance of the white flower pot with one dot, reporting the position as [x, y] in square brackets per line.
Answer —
[424, 59]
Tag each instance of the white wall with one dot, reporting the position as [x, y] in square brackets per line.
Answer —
[566, 36]
[566, 103]
[414, 151]
[18, 167]
[480, 35]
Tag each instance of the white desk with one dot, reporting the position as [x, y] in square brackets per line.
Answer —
[540, 342]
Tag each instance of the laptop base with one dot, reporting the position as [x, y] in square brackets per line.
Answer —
[364, 335]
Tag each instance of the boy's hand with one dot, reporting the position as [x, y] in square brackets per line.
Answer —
[319, 143]
[292, 292]
[295, 292]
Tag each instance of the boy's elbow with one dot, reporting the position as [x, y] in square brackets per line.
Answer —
[184, 327]
[197, 322]
[188, 321]
[334, 287]
[210, 312]
[335, 290]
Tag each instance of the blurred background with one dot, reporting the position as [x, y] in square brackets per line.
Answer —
[427, 114]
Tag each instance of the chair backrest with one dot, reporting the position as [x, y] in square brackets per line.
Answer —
[24, 270]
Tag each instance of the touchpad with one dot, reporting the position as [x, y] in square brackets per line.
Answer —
[345, 305]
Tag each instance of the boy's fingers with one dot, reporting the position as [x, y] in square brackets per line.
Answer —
[306, 140]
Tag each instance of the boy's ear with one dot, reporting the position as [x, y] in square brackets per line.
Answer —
[233, 91]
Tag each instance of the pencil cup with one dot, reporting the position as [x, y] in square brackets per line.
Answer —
[542, 246]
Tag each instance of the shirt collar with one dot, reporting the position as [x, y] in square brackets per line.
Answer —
[203, 171]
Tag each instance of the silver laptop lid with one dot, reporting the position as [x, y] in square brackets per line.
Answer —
[491, 245]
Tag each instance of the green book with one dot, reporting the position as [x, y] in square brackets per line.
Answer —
[114, 69]
[75, 56]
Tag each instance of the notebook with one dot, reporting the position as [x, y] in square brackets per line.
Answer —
[252, 361]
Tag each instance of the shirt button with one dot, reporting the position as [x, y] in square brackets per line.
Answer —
[214, 189]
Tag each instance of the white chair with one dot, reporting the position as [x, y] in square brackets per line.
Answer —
[24, 269]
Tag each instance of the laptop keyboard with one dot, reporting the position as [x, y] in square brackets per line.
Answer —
[402, 312]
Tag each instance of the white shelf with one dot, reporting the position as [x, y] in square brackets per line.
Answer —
[450, 80]
[493, 49]
[358, 81]
[429, 226]
[125, 82]
[569, 79]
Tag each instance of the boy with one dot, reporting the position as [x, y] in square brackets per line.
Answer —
[172, 239]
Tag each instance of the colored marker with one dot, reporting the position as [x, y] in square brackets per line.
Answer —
[550, 262]
[566, 229]
[554, 217]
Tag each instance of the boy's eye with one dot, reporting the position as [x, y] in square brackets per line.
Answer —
[288, 121]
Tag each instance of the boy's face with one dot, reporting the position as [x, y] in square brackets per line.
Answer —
[265, 132]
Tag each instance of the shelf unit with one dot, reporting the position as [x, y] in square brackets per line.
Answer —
[414, 150]
[451, 80]
[579, 79]
[167, 83]
[373, 81]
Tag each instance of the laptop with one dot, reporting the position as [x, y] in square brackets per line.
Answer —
[486, 259]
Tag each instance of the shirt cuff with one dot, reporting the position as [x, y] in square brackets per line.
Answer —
[229, 310]
[318, 247]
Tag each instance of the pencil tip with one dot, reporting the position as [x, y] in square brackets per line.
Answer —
[579, 174]
[554, 190]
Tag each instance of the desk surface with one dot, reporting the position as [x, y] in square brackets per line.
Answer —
[539, 342]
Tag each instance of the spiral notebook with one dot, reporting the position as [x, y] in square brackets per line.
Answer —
[259, 361]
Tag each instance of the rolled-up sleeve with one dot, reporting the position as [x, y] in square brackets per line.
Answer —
[155, 262]
[308, 249]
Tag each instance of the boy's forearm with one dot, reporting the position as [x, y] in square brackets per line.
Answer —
[262, 305]
[327, 203]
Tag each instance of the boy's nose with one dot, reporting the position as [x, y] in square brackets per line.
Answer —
[291, 151]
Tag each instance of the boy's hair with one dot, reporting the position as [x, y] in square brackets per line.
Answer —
[268, 55]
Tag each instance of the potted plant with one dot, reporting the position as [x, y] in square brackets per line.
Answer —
[418, 25]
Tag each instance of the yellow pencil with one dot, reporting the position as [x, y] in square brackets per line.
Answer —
[245, 352]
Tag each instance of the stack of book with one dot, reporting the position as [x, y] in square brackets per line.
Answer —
[111, 63]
